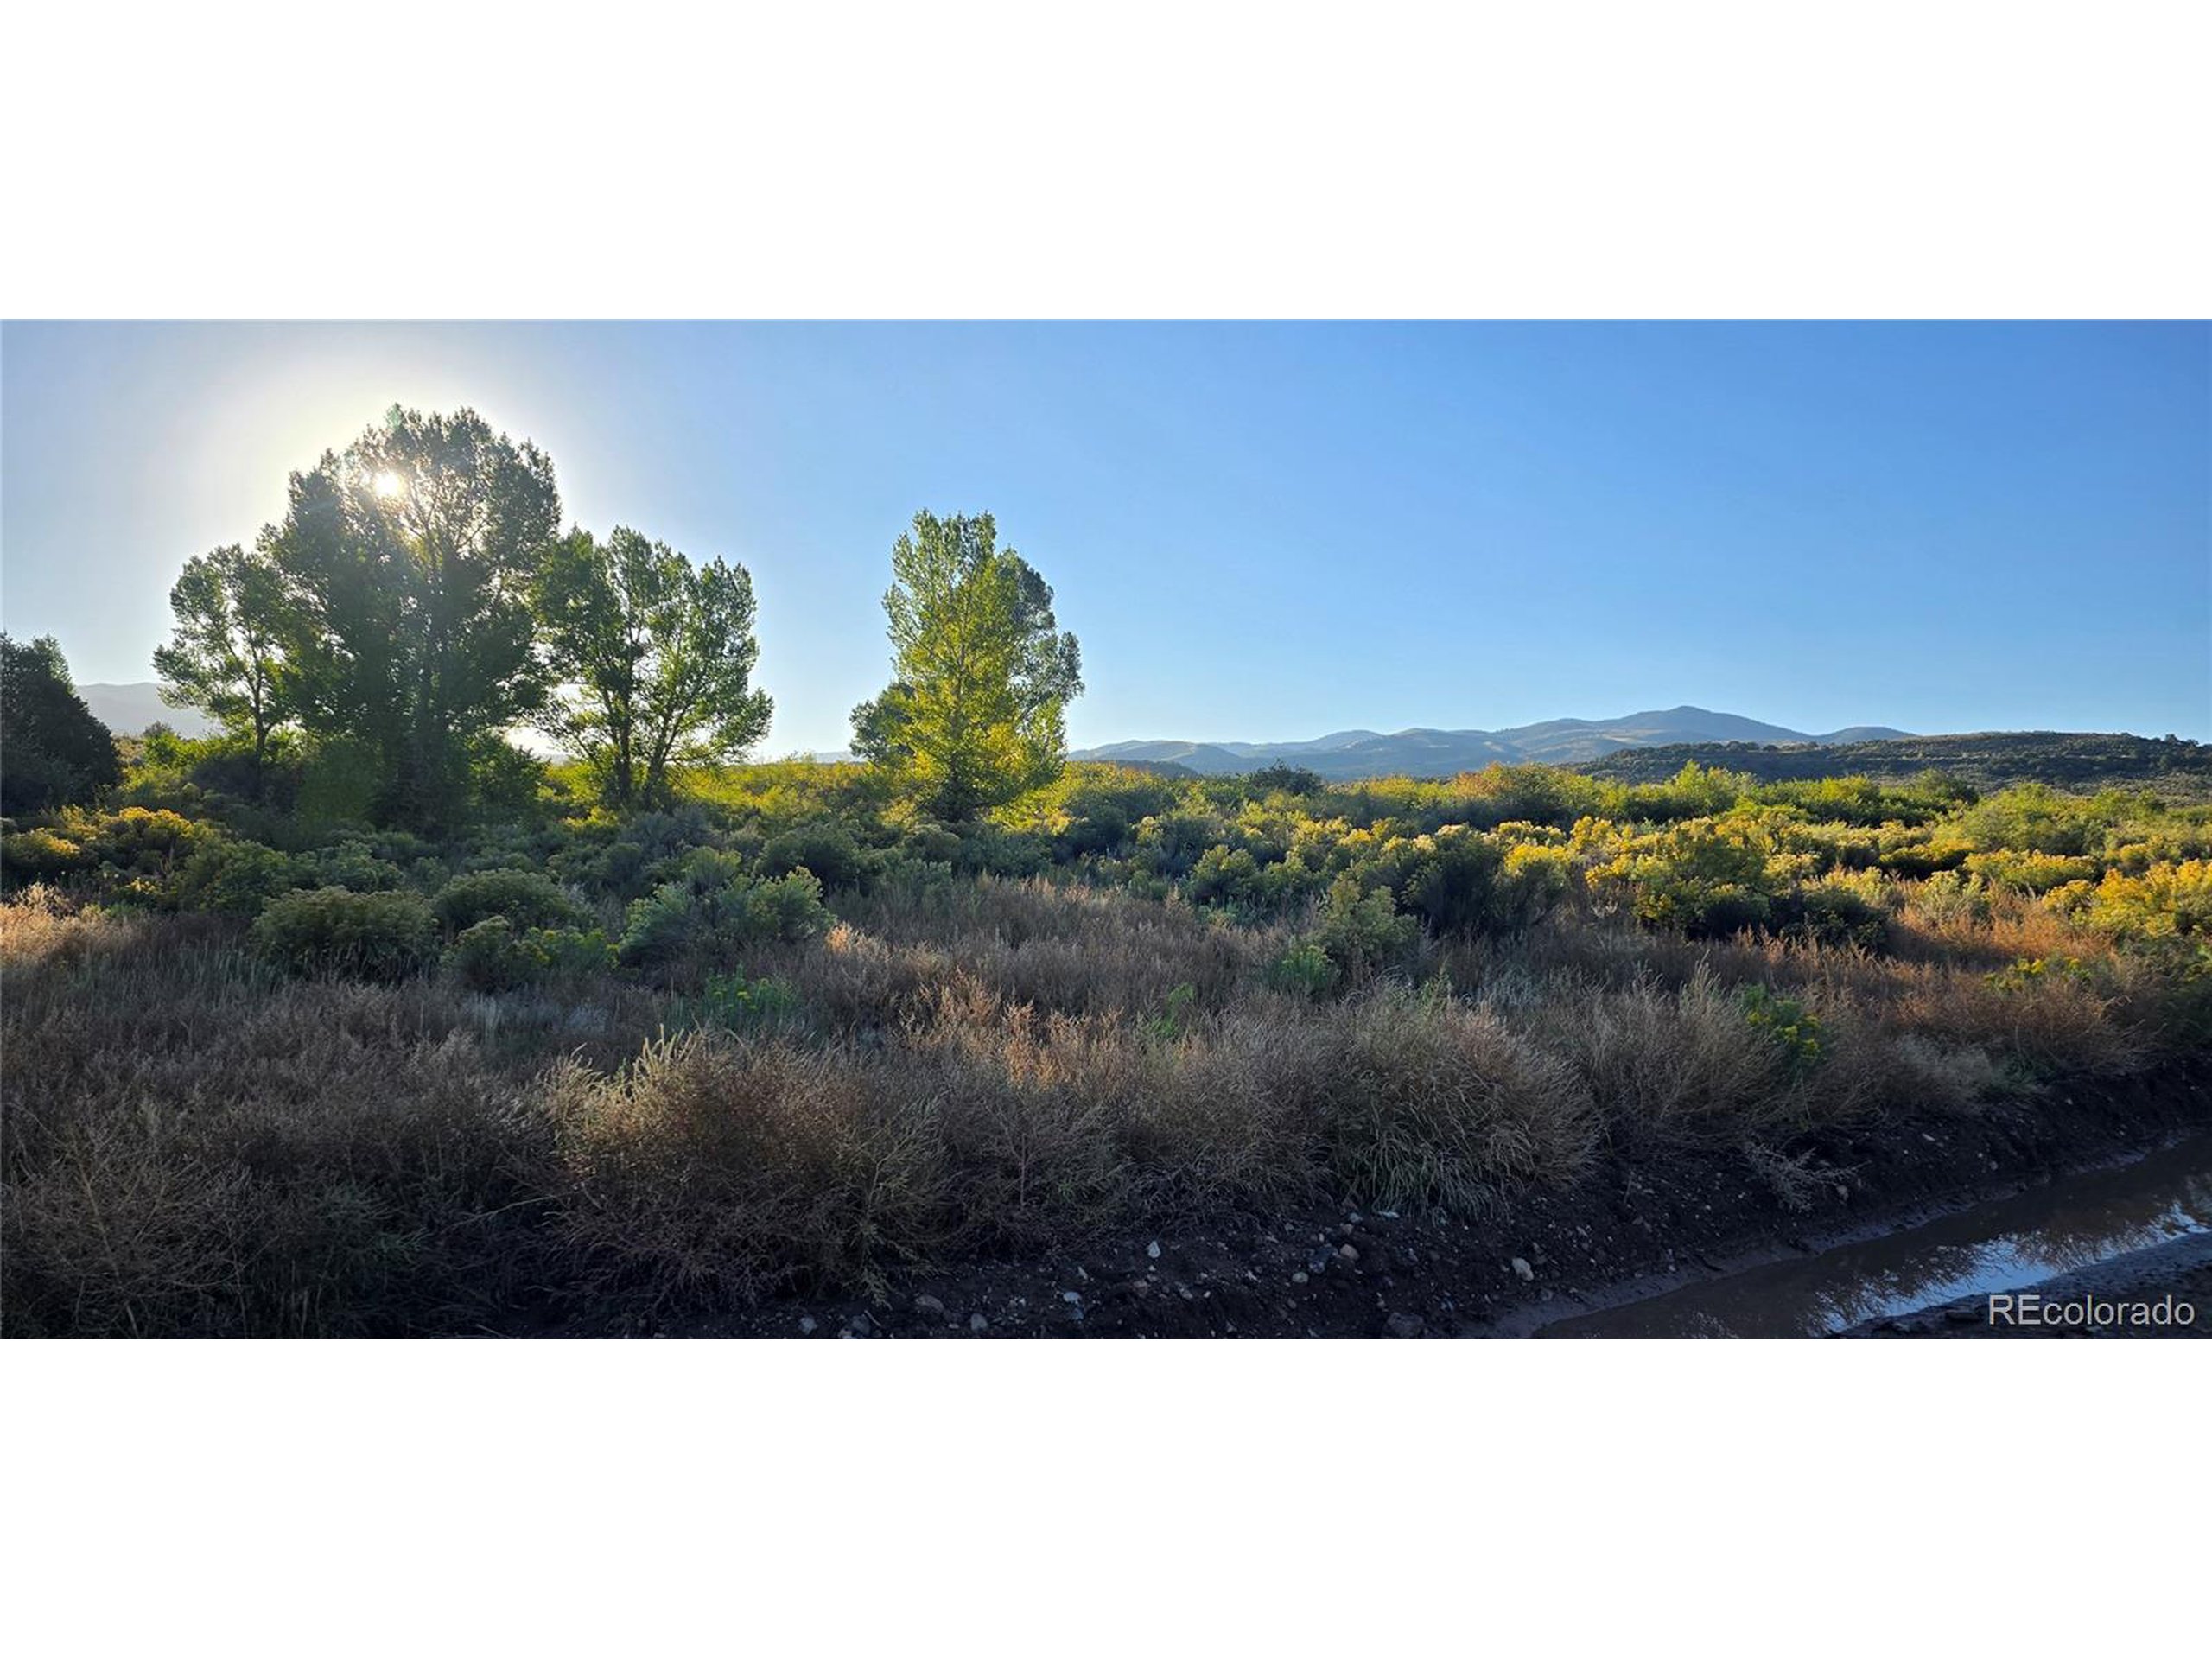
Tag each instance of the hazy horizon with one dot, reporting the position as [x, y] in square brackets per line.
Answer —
[1260, 532]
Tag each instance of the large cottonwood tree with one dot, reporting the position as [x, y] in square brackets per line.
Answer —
[408, 560]
[654, 657]
[975, 714]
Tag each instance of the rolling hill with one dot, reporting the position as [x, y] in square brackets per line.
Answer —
[1424, 751]
[2173, 768]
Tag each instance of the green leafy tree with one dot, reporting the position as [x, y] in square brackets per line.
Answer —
[975, 716]
[407, 562]
[52, 752]
[655, 660]
[226, 654]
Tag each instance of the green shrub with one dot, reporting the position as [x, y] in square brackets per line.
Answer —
[1102, 813]
[1704, 878]
[488, 955]
[1173, 1022]
[1361, 932]
[1529, 794]
[137, 842]
[1445, 878]
[2031, 872]
[494, 955]
[825, 849]
[1464, 882]
[924, 842]
[352, 865]
[1285, 780]
[987, 848]
[337, 930]
[1949, 897]
[733, 1002]
[2024, 974]
[2165, 900]
[1304, 969]
[1172, 843]
[232, 878]
[1535, 879]
[563, 955]
[41, 855]
[715, 911]
[629, 860]
[522, 897]
[1842, 907]
[1783, 1020]
[1223, 877]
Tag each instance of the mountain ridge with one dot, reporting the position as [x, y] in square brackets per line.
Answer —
[1421, 750]
[130, 708]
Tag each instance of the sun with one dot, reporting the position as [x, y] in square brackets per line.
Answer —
[390, 486]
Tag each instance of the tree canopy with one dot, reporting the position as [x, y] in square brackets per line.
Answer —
[974, 716]
[655, 658]
[226, 655]
[407, 562]
[52, 751]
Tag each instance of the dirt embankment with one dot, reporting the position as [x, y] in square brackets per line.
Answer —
[1642, 1215]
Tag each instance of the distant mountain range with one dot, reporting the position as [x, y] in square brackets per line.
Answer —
[127, 710]
[1420, 752]
[1634, 748]
[1423, 752]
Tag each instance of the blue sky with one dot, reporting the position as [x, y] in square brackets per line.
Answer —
[1260, 531]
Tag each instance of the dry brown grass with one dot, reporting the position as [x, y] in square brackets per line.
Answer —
[2055, 1024]
[1670, 1063]
[191, 1146]
[1426, 1100]
[711, 1169]
[195, 1145]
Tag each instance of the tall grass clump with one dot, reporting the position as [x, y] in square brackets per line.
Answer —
[713, 1170]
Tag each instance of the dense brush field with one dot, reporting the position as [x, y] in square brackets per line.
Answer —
[271, 1074]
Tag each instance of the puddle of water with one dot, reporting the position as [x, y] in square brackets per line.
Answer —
[2007, 1244]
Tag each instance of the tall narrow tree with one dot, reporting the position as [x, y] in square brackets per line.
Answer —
[974, 717]
[226, 654]
[407, 562]
[654, 657]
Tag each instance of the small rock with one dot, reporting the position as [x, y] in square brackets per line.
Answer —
[1152, 1249]
[808, 1325]
[1300, 1277]
[1349, 1252]
[1074, 1298]
[1404, 1325]
[978, 1323]
[929, 1305]
[1523, 1271]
